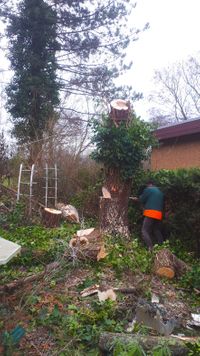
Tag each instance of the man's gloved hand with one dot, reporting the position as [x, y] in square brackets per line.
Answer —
[134, 198]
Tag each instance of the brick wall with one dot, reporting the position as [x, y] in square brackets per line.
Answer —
[182, 152]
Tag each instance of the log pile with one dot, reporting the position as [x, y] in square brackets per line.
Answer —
[166, 264]
[87, 244]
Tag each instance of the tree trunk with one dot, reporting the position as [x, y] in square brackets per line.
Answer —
[168, 265]
[177, 347]
[51, 217]
[114, 210]
[120, 110]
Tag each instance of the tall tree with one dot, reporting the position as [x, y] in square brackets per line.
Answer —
[33, 91]
[177, 94]
[3, 155]
[93, 37]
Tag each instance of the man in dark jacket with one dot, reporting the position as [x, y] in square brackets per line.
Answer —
[152, 200]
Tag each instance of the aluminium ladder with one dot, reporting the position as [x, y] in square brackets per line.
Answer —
[29, 183]
[54, 186]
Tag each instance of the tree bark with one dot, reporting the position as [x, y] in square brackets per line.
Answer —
[114, 210]
[177, 347]
[168, 265]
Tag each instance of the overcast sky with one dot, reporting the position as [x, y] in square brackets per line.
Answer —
[173, 36]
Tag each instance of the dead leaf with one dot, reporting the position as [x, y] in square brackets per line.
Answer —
[102, 253]
[108, 294]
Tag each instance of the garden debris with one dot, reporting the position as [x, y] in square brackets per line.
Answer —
[108, 294]
[4, 208]
[150, 315]
[106, 193]
[89, 246]
[166, 264]
[195, 322]
[69, 212]
[107, 342]
[131, 326]
[102, 253]
[85, 232]
[75, 242]
[186, 338]
[52, 266]
[90, 290]
[154, 298]
[96, 288]
[9, 287]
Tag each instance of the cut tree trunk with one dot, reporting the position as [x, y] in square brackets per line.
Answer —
[177, 347]
[51, 217]
[168, 265]
[114, 210]
[120, 110]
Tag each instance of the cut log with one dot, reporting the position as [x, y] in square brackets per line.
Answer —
[51, 217]
[85, 232]
[177, 347]
[168, 265]
[87, 247]
[69, 212]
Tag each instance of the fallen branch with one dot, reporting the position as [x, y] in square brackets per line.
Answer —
[95, 288]
[9, 287]
[177, 347]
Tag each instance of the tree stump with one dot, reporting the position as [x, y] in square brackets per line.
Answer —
[120, 110]
[51, 217]
[168, 265]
